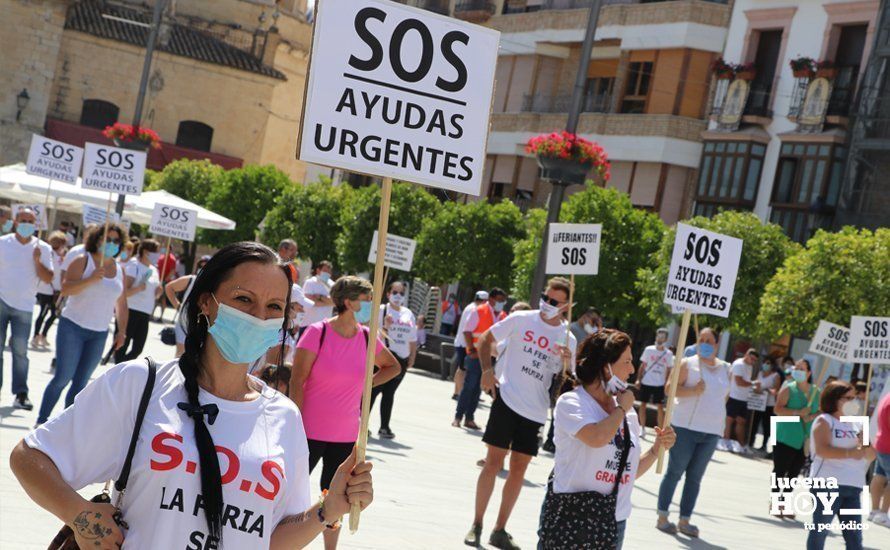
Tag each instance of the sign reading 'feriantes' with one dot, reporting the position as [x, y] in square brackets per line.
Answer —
[399, 92]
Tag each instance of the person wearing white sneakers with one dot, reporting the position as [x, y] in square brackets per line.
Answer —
[655, 362]
[48, 293]
[735, 433]
[882, 462]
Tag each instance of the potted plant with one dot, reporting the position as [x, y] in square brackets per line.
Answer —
[132, 137]
[826, 69]
[745, 71]
[803, 67]
[567, 158]
[722, 70]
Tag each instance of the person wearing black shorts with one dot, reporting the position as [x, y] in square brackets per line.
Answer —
[535, 349]
[655, 363]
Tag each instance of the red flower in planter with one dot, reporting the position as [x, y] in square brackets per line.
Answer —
[566, 146]
[130, 133]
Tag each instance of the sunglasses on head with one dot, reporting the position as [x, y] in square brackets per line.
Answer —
[552, 301]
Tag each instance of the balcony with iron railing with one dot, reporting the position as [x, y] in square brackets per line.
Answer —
[561, 103]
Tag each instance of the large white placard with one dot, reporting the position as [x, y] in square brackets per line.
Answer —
[704, 266]
[399, 252]
[399, 91]
[54, 159]
[113, 169]
[869, 340]
[574, 248]
[172, 221]
[39, 214]
[831, 341]
[94, 214]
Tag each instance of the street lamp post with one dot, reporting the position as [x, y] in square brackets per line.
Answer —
[559, 185]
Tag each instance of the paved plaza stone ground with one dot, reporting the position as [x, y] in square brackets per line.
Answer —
[425, 482]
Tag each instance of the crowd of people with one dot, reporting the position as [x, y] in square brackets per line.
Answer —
[276, 370]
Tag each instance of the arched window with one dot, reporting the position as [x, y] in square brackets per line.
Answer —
[194, 135]
[97, 113]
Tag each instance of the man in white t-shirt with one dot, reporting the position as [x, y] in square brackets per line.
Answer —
[655, 363]
[536, 350]
[460, 343]
[25, 261]
[737, 404]
[318, 289]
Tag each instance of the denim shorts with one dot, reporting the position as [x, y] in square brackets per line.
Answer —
[882, 464]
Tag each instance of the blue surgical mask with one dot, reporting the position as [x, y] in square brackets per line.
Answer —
[111, 249]
[765, 368]
[25, 230]
[324, 276]
[396, 299]
[7, 226]
[363, 315]
[123, 256]
[705, 350]
[241, 337]
[799, 375]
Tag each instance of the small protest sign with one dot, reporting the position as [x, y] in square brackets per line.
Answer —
[574, 248]
[703, 271]
[113, 169]
[831, 341]
[175, 222]
[53, 159]
[869, 340]
[39, 214]
[399, 252]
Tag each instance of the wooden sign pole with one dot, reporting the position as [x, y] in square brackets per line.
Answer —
[362, 444]
[871, 369]
[675, 377]
[105, 233]
[49, 186]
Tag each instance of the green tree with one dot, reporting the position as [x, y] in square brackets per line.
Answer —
[409, 206]
[838, 275]
[471, 243]
[245, 195]
[191, 180]
[525, 252]
[630, 236]
[764, 248]
[309, 214]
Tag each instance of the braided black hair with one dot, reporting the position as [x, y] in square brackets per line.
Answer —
[207, 281]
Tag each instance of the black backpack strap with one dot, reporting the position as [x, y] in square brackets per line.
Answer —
[121, 484]
[625, 452]
[324, 329]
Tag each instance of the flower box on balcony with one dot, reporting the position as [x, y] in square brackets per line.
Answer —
[803, 67]
[566, 158]
[803, 73]
[132, 137]
[828, 72]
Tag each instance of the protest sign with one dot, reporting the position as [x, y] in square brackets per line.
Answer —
[39, 214]
[399, 92]
[757, 401]
[574, 248]
[53, 159]
[831, 341]
[174, 222]
[399, 252]
[703, 271]
[113, 169]
[869, 340]
[93, 214]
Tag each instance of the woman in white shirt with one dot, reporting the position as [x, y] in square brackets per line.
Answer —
[592, 423]
[143, 284]
[94, 285]
[48, 293]
[203, 405]
[769, 380]
[401, 338]
[837, 452]
[699, 418]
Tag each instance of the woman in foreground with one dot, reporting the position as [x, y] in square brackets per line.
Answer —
[221, 460]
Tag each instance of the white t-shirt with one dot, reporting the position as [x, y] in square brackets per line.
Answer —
[74, 253]
[657, 365]
[529, 362]
[740, 368]
[844, 435]
[767, 382]
[144, 300]
[402, 332]
[56, 284]
[18, 274]
[459, 340]
[261, 446]
[579, 467]
[314, 314]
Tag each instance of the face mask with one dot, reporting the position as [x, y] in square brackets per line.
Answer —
[706, 350]
[549, 311]
[241, 337]
[7, 226]
[851, 408]
[499, 307]
[123, 256]
[765, 368]
[363, 315]
[615, 385]
[110, 249]
[25, 230]
[799, 375]
[324, 276]
[591, 329]
[396, 299]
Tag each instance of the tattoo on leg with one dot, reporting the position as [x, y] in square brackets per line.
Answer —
[86, 526]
